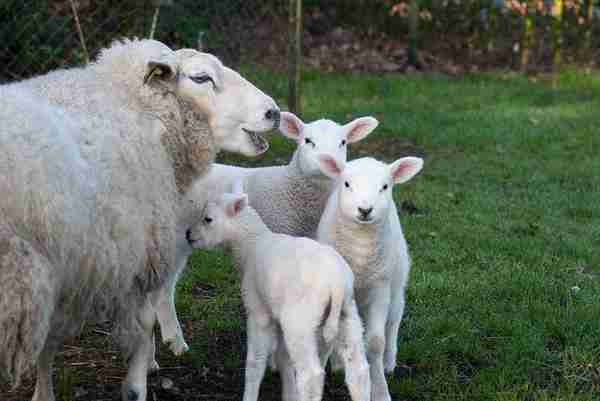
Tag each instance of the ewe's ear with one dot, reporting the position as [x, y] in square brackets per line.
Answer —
[360, 128]
[329, 166]
[236, 204]
[160, 69]
[404, 169]
[290, 125]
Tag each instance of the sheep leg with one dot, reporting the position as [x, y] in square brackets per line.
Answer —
[351, 351]
[301, 343]
[168, 321]
[377, 310]
[286, 371]
[391, 330]
[44, 390]
[261, 339]
[134, 386]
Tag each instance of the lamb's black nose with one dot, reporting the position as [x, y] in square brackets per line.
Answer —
[365, 212]
[188, 235]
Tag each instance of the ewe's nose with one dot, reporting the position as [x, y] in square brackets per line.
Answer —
[365, 212]
[273, 115]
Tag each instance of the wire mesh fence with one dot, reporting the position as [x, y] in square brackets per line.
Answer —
[41, 35]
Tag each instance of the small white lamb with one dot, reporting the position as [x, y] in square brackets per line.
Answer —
[298, 297]
[361, 222]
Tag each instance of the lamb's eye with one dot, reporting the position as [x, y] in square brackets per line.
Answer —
[208, 220]
[200, 79]
[346, 184]
[343, 143]
[309, 142]
[385, 186]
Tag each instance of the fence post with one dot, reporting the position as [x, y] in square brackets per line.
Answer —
[413, 34]
[527, 38]
[294, 55]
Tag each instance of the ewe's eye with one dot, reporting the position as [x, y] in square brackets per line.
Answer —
[385, 187]
[343, 143]
[309, 142]
[346, 184]
[208, 220]
[200, 79]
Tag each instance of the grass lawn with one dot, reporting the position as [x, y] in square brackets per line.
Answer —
[503, 225]
[504, 294]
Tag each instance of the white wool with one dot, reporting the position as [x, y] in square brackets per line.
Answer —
[298, 298]
[93, 166]
[361, 222]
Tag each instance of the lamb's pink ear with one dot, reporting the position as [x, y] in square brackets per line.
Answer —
[360, 128]
[405, 168]
[290, 125]
[236, 204]
[329, 166]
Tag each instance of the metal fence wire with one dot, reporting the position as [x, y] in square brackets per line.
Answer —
[42, 35]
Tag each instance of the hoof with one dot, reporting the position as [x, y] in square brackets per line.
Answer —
[178, 346]
[153, 367]
[132, 395]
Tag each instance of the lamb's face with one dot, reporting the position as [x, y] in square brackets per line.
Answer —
[364, 187]
[323, 137]
[236, 110]
[217, 223]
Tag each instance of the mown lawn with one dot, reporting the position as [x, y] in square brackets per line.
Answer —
[504, 230]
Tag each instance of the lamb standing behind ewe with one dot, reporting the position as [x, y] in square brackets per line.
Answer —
[361, 222]
[298, 297]
[93, 168]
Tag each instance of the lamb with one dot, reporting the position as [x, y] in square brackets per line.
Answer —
[298, 297]
[361, 222]
[290, 199]
[94, 165]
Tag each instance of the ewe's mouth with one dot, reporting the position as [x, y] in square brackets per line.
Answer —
[260, 144]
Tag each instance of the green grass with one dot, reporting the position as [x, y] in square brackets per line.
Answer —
[511, 190]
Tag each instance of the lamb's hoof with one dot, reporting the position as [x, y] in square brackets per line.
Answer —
[178, 346]
[132, 395]
[153, 367]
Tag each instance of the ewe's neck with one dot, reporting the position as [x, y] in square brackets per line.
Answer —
[189, 143]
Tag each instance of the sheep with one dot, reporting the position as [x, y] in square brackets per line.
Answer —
[361, 222]
[94, 165]
[298, 298]
[289, 198]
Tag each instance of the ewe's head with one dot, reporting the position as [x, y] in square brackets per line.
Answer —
[235, 109]
[323, 138]
[219, 221]
[364, 186]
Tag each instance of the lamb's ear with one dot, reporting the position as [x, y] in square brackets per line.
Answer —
[360, 128]
[405, 168]
[329, 166]
[160, 69]
[236, 204]
[290, 125]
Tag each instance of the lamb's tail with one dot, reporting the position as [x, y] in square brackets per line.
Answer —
[332, 321]
[26, 306]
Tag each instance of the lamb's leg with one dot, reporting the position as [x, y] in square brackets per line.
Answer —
[44, 391]
[377, 310]
[166, 314]
[286, 371]
[261, 339]
[301, 343]
[351, 350]
[391, 330]
[134, 386]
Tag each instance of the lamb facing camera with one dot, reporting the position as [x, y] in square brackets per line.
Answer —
[361, 222]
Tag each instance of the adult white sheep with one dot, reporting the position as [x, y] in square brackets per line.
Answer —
[93, 168]
[361, 222]
[290, 199]
[298, 297]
